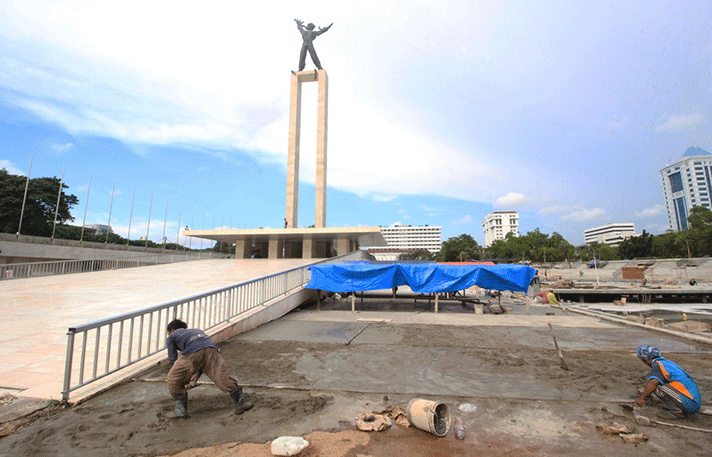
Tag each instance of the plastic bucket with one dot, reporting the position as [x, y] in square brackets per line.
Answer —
[430, 416]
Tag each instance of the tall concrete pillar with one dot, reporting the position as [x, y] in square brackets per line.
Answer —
[295, 111]
[321, 131]
[275, 248]
[342, 246]
[242, 249]
[307, 248]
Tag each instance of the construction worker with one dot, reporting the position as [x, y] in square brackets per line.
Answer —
[668, 383]
[197, 355]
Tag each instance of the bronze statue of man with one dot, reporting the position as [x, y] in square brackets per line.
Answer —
[308, 36]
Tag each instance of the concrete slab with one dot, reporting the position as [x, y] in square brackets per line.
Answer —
[313, 331]
[506, 367]
[38, 311]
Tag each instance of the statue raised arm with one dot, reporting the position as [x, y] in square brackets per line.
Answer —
[324, 29]
[308, 36]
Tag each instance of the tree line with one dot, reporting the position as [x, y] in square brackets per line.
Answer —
[42, 203]
[539, 247]
[44, 199]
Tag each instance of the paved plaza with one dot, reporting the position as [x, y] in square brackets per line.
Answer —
[38, 311]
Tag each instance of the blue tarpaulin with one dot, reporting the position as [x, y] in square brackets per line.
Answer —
[420, 277]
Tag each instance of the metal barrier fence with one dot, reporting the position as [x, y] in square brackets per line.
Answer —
[62, 267]
[107, 346]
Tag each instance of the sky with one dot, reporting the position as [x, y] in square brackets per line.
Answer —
[439, 112]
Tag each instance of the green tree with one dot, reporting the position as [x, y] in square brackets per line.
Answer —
[508, 248]
[637, 246]
[419, 254]
[669, 246]
[534, 246]
[221, 247]
[39, 207]
[587, 252]
[698, 237]
[460, 248]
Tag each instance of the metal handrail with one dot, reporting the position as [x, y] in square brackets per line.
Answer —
[62, 267]
[113, 344]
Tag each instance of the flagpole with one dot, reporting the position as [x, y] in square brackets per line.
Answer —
[24, 199]
[56, 209]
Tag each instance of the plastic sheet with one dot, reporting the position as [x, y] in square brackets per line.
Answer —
[420, 277]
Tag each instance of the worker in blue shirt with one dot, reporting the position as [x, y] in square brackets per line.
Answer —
[668, 383]
[197, 355]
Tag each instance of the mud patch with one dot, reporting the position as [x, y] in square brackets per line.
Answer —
[298, 408]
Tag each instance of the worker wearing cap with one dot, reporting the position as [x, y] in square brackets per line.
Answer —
[668, 383]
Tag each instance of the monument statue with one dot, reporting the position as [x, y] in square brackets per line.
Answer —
[308, 36]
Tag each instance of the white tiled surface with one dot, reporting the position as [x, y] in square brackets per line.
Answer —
[36, 312]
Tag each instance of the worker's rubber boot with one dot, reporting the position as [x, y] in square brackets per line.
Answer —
[181, 411]
[241, 405]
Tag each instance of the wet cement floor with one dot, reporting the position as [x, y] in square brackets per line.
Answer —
[316, 370]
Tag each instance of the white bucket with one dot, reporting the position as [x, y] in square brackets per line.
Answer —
[431, 416]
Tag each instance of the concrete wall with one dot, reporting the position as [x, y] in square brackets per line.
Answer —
[14, 249]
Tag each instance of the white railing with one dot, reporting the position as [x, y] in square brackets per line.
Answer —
[104, 347]
[62, 267]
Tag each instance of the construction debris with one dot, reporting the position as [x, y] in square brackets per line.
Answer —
[655, 322]
[690, 326]
[625, 432]
[370, 422]
[561, 355]
[288, 445]
[614, 429]
[395, 414]
[635, 438]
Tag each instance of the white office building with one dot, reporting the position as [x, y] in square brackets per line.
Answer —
[498, 224]
[611, 234]
[407, 238]
[687, 183]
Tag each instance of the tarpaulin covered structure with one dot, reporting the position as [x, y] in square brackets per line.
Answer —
[420, 277]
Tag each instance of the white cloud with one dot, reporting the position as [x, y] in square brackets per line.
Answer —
[432, 209]
[650, 212]
[59, 148]
[679, 123]
[163, 86]
[403, 213]
[513, 200]
[463, 220]
[584, 215]
[378, 197]
[10, 168]
[139, 228]
[617, 125]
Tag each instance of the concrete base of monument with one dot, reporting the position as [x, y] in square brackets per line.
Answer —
[294, 243]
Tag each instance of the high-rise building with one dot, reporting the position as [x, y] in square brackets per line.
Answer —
[496, 225]
[407, 238]
[611, 234]
[687, 183]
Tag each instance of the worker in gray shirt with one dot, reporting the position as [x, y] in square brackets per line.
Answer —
[198, 355]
